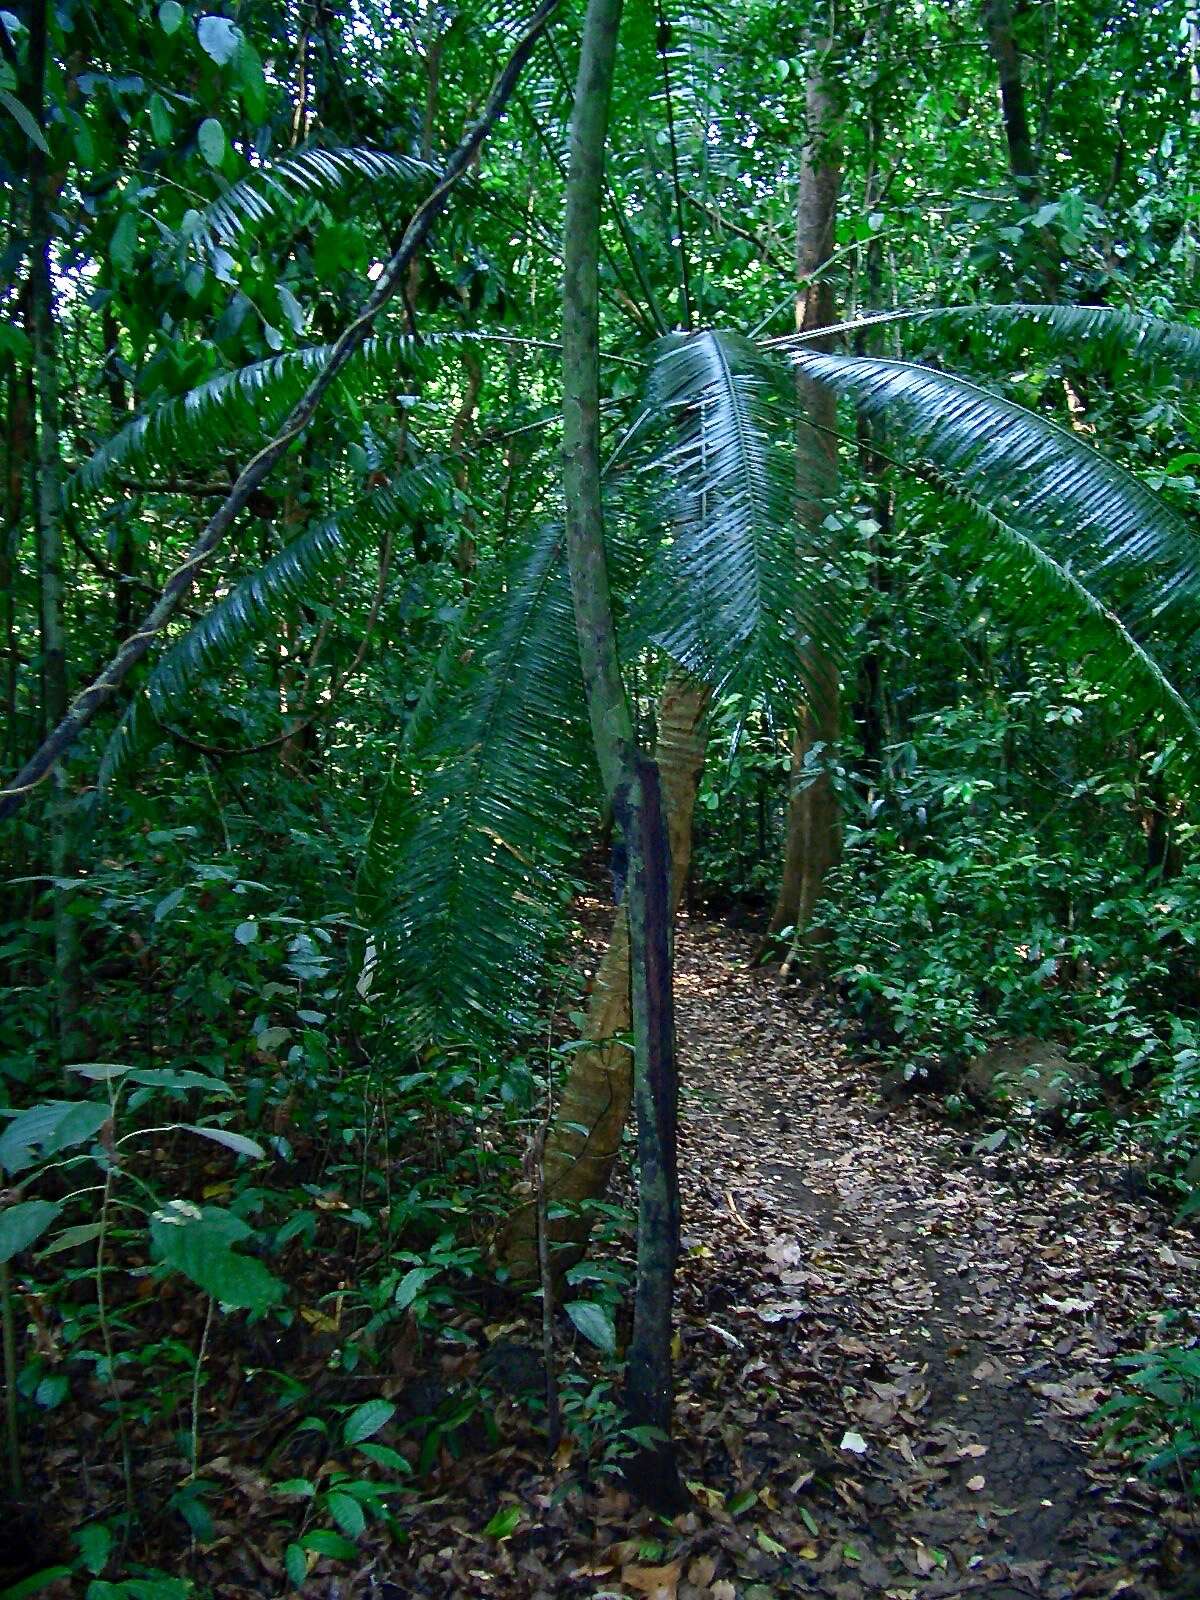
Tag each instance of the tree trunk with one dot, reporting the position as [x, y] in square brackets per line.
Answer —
[48, 510]
[631, 779]
[998, 20]
[814, 818]
[584, 1141]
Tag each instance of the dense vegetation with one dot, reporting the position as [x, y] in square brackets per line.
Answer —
[880, 507]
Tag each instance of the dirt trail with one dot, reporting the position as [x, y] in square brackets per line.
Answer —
[888, 1352]
[914, 1335]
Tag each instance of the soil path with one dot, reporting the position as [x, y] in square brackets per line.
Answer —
[892, 1342]
[889, 1349]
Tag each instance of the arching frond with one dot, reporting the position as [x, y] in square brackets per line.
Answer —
[464, 871]
[252, 608]
[1113, 333]
[733, 595]
[225, 410]
[1029, 578]
[1107, 528]
[1128, 565]
[306, 174]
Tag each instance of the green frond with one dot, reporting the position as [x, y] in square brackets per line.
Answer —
[464, 877]
[227, 410]
[307, 174]
[1027, 578]
[1095, 518]
[1112, 333]
[734, 594]
[308, 565]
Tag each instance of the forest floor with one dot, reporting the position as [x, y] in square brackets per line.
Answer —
[891, 1345]
[890, 1348]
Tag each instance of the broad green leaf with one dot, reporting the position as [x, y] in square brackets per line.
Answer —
[56, 1125]
[95, 1543]
[100, 1071]
[211, 141]
[70, 1238]
[219, 38]
[161, 123]
[52, 1391]
[411, 1284]
[246, 932]
[504, 1524]
[594, 1323]
[173, 1078]
[347, 1513]
[123, 246]
[324, 1542]
[21, 1224]
[198, 1241]
[296, 1566]
[170, 16]
[26, 123]
[168, 903]
[232, 1141]
[367, 1419]
[383, 1455]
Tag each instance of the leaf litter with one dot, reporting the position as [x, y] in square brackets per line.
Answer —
[890, 1347]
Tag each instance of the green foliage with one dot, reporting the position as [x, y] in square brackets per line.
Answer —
[725, 595]
[467, 858]
[1154, 1417]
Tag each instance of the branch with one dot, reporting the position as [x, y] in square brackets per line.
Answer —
[89, 702]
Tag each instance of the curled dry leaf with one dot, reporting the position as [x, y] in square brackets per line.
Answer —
[657, 1583]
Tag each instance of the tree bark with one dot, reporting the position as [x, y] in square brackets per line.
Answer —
[48, 513]
[583, 1142]
[631, 779]
[998, 20]
[813, 839]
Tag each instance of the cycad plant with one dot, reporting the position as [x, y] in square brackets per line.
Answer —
[682, 546]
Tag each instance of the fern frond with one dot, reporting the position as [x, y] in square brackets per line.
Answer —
[468, 849]
[1096, 519]
[733, 594]
[306, 174]
[226, 410]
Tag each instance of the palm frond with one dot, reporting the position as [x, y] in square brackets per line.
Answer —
[305, 174]
[1100, 522]
[468, 850]
[1029, 580]
[252, 608]
[227, 409]
[733, 594]
[1113, 333]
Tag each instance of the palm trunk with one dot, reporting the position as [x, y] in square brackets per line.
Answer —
[585, 1138]
[813, 840]
[631, 779]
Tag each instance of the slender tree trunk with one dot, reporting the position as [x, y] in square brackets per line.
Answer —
[125, 554]
[813, 839]
[871, 711]
[17, 453]
[48, 510]
[583, 1142]
[631, 779]
[998, 20]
